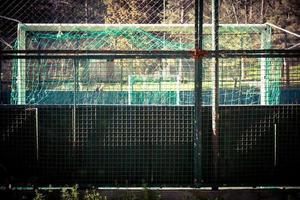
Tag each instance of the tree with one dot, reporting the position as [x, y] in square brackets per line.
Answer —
[179, 12]
[127, 12]
[77, 11]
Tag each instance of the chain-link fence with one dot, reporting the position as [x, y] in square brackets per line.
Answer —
[160, 92]
[149, 81]
[284, 14]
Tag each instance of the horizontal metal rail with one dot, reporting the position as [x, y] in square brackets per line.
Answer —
[104, 54]
[174, 28]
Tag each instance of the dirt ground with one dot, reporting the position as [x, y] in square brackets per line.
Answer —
[162, 194]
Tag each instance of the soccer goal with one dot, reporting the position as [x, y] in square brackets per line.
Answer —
[127, 80]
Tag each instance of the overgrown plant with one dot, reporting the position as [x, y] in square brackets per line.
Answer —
[38, 195]
[146, 193]
[70, 194]
[93, 195]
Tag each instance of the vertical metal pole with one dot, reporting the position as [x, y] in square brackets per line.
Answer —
[287, 67]
[129, 89]
[1, 74]
[21, 76]
[74, 99]
[215, 91]
[37, 133]
[178, 90]
[275, 145]
[264, 72]
[198, 93]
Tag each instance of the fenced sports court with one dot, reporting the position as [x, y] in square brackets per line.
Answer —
[158, 97]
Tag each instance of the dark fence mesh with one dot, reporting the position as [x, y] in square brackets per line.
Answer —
[18, 149]
[130, 120]
[111, 145]
[258, 145]
[132, 145]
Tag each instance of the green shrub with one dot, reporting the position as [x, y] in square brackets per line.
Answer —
[70, 194]
[38, 195]
[93, 195]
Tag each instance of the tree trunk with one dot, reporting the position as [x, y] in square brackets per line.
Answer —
[180, 68]
[234, 11]
[250, 10]
[246, 13]
[262, 8]
[86, 11]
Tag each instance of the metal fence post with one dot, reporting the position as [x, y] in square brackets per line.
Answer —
[1, 74]
[215, 91]
[198, 93]
[75, 65]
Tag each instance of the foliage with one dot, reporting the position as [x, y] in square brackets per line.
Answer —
[179, 12]
[88, 11]
[93, 195]
[38, 195]
[70, 194]
[146, 193]
[124, 11]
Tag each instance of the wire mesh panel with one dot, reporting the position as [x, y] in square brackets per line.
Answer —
[112, 109]
[104, 81]
[91, 12]
[257, 146]
[154, 12]
[246, 145]
[18, 145]
[116, 145]
[287, 150]
[123, 82]
[243, 81]
[247, 81]
[56, 141]
[134, 145]
[248, 149]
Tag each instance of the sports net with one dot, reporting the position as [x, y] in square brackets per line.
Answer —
[140, 81]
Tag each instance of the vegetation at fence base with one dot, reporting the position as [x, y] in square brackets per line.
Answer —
[93, 195]
[147, 194]
[70, 194]
[38, 195]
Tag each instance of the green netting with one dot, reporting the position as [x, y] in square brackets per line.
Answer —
[273, 76]
[138, 81]
[123, 38]
[154, 90]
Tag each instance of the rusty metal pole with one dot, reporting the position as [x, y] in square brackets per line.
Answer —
[215, 91]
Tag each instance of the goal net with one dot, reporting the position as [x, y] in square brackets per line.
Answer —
[140, 81]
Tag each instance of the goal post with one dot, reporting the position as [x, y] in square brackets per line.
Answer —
[21, 69]
[186, 31]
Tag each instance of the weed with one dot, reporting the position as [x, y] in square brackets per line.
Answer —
[70, 194]
[38, 195]
[93, 195]
[146, 193]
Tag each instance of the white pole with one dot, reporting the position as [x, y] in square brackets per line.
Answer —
[178, 90]
[284, 30]
[263, 72]
[37, 133]
[21, 76]
[129, 89]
